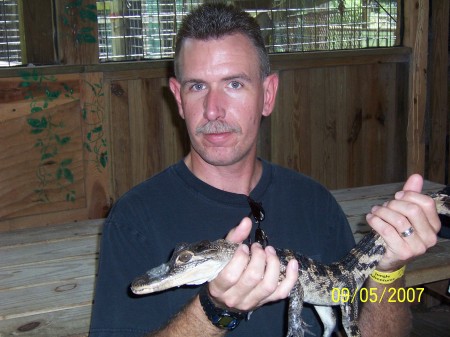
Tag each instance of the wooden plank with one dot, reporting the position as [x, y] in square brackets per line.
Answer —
[173, 135]
[48, 277]
[51, 233]
[290, 61]
[148, 125]
[138, 119]
[162, 68]
[61, 295]
[288, 117]
[77, 32]
[50, 251]
[325, 125]
[47, 272]
[129, 71]
[59, 172]
[120, 146]
[38, 32]
[32, 164]
[438, 131]
[379, 191]
[72, 322]
[416, 37]
[357, 202]
[433, 266]
[96, 146]
[44, 219]
[440, 288]
[329, 139]
[18, 95]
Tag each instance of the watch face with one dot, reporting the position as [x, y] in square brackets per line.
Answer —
[226, 321]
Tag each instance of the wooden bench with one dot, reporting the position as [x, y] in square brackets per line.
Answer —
[47, 275]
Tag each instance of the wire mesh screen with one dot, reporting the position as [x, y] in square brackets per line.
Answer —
[10, 52]
[146, 29]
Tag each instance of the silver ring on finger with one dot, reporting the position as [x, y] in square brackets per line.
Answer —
[408, 232]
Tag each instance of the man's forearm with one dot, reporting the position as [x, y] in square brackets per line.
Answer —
[191, 321]
[385, 318]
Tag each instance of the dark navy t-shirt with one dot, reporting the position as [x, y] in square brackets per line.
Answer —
[174, 206]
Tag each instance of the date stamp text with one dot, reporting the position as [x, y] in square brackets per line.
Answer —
[393, 295]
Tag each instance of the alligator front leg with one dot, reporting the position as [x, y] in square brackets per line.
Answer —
[295, 323]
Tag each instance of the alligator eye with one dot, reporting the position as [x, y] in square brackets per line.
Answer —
[184, 257]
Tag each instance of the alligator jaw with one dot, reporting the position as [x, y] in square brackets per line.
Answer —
[190, 264]
[158, 279]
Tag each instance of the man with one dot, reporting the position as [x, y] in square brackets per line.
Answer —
[223, 88]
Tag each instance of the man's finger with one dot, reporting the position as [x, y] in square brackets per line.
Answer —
[414, 183]
[241, 232]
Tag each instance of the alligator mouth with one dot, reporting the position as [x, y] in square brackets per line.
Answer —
[165, 277]
[151, 281]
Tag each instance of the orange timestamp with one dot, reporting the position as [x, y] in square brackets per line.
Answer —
[393, 295]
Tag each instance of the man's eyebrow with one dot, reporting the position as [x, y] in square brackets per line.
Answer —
[191, 81]
[239, 76]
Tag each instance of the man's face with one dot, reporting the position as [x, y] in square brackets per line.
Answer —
[222, 97]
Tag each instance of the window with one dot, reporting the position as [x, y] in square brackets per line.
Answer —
[146, 29]
[10, 52]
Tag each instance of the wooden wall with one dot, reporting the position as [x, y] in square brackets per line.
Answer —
[319, 126]
[74, 142]
[342, 121]
[54, 160]
[75, 137]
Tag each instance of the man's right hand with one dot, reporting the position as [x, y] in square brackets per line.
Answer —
[249, 281]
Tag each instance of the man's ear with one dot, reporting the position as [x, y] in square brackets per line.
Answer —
[270, 93]
[175, 87]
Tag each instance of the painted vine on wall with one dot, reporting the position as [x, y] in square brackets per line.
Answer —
[76, 11]
[93, 115]
[50, 137]
[51, 170]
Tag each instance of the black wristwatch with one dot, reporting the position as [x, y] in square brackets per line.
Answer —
[222, 318]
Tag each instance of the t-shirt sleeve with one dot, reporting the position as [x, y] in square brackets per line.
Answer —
[112, 295]
[115, 307]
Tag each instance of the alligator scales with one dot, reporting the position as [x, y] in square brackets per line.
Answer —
[197, 263]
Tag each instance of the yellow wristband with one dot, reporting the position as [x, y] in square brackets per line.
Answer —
[387, 278]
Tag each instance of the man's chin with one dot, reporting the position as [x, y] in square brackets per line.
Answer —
[220, 158]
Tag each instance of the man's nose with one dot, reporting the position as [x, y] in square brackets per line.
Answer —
[213, 105]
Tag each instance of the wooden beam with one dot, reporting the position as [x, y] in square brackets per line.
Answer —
[37, 29]
[438, 92]
[416, 37]
[77, 28]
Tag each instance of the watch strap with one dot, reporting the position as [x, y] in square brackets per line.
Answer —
[221, 318]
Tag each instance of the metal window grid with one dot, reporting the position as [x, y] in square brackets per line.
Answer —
[287, 25]
[146, 29]
[10, 52]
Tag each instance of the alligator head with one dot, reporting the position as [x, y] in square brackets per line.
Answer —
[190, 264]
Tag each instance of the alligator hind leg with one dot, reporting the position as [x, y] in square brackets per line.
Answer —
[328, 318]
[295, 323]
[350, 319]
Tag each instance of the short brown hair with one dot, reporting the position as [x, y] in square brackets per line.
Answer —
[212, 21]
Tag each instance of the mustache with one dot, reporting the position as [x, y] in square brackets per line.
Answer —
[217, 127]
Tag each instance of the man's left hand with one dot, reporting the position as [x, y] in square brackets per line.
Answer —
[409, 213]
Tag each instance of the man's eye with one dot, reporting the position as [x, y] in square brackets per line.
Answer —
[235, 85]
[198, 86]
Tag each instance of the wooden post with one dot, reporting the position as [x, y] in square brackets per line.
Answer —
[77, 31]
[37, 32]
[416, 37]
[438, 92]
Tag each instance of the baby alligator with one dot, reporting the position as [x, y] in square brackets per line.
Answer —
[197, 263]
